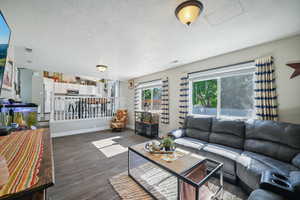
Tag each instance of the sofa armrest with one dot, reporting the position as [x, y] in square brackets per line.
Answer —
[178, 133]
[295, 180]
[296, 161]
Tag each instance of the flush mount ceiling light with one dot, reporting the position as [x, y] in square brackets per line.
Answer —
[188, 11]
[101, 68]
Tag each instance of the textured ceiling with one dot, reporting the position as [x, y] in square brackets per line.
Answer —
[137, 37]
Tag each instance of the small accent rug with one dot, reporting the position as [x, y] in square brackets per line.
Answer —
[22, 151]
[128, 189]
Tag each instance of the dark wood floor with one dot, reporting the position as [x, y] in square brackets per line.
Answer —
[82, 171]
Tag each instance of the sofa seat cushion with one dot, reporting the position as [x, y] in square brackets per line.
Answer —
[224, 151]
[261, 194]
[225, 155]
[190, 142]
[251, 165]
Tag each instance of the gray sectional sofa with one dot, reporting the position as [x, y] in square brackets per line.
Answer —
[246, 148]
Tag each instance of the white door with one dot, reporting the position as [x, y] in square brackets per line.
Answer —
[48, 92]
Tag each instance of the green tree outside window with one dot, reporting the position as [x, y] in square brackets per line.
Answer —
[205, 93]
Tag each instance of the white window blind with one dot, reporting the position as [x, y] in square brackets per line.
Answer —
[150, 84]
[223, 72]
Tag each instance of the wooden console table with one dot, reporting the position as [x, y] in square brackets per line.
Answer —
[46, 172]
[146, 124]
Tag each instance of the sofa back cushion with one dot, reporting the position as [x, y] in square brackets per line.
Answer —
[228, 132]
[198, 127]
[278, 140]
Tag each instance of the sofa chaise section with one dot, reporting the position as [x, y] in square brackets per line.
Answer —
[251, 165]
[268, 145]
[245, 148]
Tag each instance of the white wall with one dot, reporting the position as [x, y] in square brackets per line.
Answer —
[26, 85]
[126, 101]
[64, 128]
[283, 51]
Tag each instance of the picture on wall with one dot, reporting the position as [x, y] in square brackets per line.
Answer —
[4, 65]
[131, 84]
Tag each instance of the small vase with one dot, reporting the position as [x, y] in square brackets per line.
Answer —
[167, 148]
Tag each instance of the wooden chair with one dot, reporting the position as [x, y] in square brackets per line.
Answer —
[120, 120]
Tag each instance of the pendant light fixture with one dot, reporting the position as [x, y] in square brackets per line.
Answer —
[101, 68]
[188, 11]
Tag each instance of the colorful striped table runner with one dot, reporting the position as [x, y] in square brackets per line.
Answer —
[23, 152]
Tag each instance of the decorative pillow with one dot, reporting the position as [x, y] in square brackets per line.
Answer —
[177, 133]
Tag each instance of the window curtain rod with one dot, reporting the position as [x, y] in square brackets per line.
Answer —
[225, 66]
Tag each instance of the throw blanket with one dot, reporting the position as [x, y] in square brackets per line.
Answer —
[23, 152]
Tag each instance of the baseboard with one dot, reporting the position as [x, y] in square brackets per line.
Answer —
[130, 127]
[80, 131]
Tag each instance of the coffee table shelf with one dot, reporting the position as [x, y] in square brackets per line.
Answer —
[187, 177]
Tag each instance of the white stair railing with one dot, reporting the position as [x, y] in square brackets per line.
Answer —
[82, 108]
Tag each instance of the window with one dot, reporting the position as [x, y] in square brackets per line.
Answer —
[151, 99]
[226, 92]
[150, 96]
[237, 96]
[205, 98]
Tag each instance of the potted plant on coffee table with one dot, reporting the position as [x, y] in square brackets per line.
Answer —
[167, 143]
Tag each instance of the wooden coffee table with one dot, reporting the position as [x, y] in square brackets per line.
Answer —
[186, 177]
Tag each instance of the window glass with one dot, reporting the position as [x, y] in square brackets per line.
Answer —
[151, 99]
[226, 94]
[156, 98]
[146, 99]
[204, 97]
[237, 96]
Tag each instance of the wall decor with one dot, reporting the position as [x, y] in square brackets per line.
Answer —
[131, 84]
[296, 67]
[8, 76]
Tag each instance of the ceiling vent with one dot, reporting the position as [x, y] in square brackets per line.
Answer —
[221, 13]
[28, 50]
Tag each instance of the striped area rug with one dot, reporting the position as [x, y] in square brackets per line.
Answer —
[127, 188]
[162, 186]
[23, 153]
